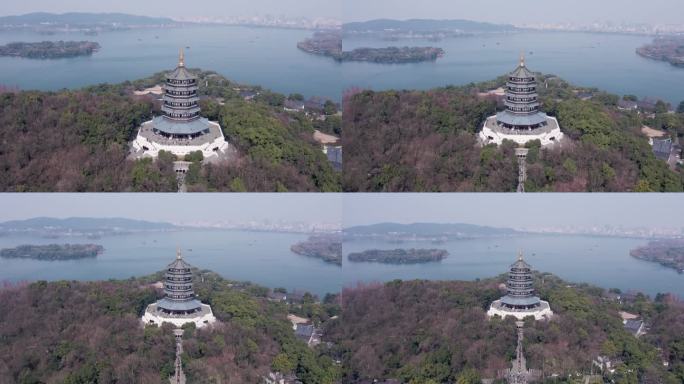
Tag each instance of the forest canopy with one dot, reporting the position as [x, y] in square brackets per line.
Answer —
[91, 332]
[426, 141]
[77, 140]
[437, 332]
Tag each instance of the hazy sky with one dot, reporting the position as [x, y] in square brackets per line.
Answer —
[517, 210]
[500, 11]
[503, 210]
[314, 208]
[518, 11]
[177, 8]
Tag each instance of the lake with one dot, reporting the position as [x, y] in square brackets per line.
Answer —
[257, 56]
[269, 57]
[604, 61]
[263, 258]
[601, 261]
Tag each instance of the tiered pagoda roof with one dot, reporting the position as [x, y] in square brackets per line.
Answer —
[522, 103]
[180, 297]
[520, 286]
[181, 111]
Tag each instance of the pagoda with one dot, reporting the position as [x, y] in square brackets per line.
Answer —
[520, 300]
[179, 305]
[180, 130]
[521, 121]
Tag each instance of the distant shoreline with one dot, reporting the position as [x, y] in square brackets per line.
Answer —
[399, 256]
[53, 252]
[48, 50]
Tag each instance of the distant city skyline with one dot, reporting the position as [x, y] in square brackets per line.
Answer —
[511, 12]
[176, 208]
[180, 9]
[631, 210]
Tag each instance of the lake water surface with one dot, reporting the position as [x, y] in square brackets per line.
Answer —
[265, 258]
[600, 261]
[257, 56]
[269, 57]
[260, 257]
[604, 61]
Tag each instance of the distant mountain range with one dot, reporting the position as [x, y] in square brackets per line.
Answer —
[423, 26]
[82, 224]
[426, 231]
[78, 19]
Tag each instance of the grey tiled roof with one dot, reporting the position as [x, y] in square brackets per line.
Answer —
[181, 73]
[627, 104]
[633, 325]
[304, 331]
[179, 264]
[662, 148]
[182, 127]
[520, 301]
[521, 264]
[522, 72]
[190, 305]
[509, 118]
[335, 154]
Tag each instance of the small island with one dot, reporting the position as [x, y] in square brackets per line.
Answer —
[670, 49]
[49, 49]
[325, 247]
[393, 55]
[668, 253]
[330, 44]
[53, 252]
[399, 256]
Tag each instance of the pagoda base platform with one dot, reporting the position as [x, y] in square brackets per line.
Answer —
[542, 312]
[201, 319]
[494, 133]
[148, 143]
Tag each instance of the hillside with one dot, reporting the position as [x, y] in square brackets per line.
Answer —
[436, 332]
[327, 247]
[82, 224]
[398, 256]
[74, 332]
[72, 141]
[668, 253]
[426, 141]
[82, 19]
[52, 252]
[49, 49]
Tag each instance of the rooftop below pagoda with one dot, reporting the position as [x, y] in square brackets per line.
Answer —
[180, 127]
[178, 306]
[202, 317]
[493, 123]
[151, 132]
[528, 301]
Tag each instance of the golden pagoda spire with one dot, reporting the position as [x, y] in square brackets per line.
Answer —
[178, 251]
[522, 58]
[181, 58]
[520, 253]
